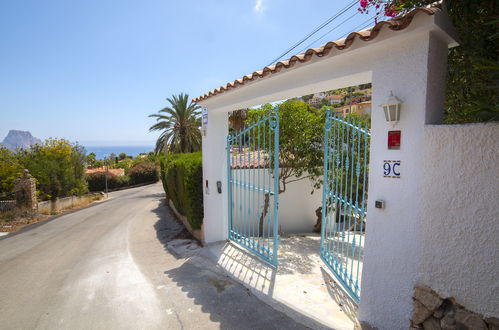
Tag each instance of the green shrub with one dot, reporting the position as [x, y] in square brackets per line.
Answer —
[97, 181]
[58, 167]
[125, 164]
[182, 177]
[143, 172]
[123, 181]
[10, 169]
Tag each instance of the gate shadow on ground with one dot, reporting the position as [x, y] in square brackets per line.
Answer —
[299, 284]
[348, 306]
[248, 268]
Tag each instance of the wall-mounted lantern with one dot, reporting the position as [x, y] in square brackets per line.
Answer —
[392, 109]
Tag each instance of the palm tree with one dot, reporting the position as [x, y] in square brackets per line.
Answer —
[180, 124]
[237, 119]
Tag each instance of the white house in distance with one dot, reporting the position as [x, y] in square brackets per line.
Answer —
[431, 232]
[360, 108]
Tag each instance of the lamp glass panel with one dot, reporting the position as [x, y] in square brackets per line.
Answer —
[387, 114]
[393, 112]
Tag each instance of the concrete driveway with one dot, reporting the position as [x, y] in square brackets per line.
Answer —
[107, 267]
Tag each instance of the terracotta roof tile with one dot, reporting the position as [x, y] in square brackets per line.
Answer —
[244, 159]
[396, 24]
[113, 171]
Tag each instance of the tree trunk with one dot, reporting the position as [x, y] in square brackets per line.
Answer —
[318, 225]
[264, 213]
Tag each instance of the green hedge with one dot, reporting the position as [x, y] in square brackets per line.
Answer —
[182, 177]
[143, 172]
[97, 181]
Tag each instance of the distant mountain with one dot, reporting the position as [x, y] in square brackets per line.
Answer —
[19, 140]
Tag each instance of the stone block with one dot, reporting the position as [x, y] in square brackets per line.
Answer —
[420, 313]
[431, 324]
[492, 322]
[439, 313]
[427, 297]
[25, 190]
[448, 322]
[470, 321]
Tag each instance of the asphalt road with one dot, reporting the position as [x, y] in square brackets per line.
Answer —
[107, 267]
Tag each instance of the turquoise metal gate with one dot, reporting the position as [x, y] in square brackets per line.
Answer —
[344, 201]
[253, 187]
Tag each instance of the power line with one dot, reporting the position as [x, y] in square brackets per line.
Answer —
[325, 34]
[360, 27]
[317, 29]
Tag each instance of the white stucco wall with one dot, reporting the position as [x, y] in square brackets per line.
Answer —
[296, 206]
[460, 237]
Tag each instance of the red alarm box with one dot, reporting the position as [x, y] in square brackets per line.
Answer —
[394, 140]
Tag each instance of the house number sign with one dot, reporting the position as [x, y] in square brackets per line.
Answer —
[204, 122]
[204, 115]
[391, 169]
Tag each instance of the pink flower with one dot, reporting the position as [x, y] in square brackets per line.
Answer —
[390, 11]
[363, 3]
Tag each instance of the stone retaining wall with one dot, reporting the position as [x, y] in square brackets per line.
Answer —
[432, 312]
[66, 203]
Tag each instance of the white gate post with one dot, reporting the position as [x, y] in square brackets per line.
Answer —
[215, 169]
[416, 75]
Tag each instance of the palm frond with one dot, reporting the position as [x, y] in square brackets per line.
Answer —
[180, 125]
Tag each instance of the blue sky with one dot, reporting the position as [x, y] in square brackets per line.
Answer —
[92, 71]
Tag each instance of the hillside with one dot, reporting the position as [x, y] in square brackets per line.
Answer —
[19, 140]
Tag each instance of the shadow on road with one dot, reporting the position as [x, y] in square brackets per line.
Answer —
[227, 302]
[167, 226]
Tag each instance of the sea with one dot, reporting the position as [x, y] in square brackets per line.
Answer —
[102, 151]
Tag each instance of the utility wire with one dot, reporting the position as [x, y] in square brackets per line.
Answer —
[360, 27]
[317, 29]
[328, 32]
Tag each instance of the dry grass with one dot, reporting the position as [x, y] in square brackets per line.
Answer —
[17, 218]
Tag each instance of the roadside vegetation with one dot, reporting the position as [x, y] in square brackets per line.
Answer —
[57, 165]
[59, 168]
[142, 169]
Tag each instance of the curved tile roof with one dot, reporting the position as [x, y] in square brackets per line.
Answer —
[396, 24]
